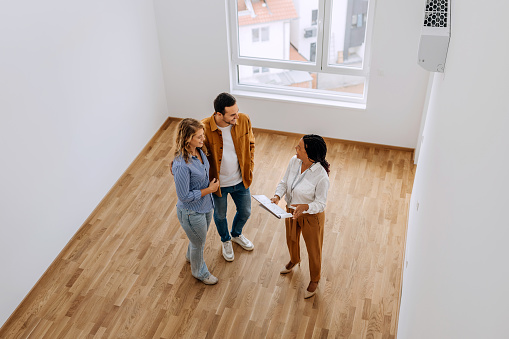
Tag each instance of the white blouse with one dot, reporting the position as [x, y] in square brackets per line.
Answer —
[310, 187]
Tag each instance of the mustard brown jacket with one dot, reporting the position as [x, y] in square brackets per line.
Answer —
[243, 140]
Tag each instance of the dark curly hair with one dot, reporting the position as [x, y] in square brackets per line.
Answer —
[222, 101]
[316, 148]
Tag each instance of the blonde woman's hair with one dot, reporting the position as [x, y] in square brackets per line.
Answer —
[186, 130]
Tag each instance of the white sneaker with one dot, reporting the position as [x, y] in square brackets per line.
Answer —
[244, 242]
[211, 280]
[228, 251]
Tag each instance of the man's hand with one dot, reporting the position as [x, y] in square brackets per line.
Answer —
[299, 210]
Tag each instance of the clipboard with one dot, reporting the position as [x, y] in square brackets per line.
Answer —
[277, 211]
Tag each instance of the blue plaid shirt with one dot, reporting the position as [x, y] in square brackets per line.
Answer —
[190, 178]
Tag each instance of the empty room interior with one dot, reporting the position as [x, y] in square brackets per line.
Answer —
[415, 232]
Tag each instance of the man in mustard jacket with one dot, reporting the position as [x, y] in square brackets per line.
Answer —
[230, 142]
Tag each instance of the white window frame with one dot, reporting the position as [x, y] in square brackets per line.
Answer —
[320, 65]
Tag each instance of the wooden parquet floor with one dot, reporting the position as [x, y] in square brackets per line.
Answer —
[124, 274]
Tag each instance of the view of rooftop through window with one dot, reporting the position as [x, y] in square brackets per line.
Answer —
[288, 33]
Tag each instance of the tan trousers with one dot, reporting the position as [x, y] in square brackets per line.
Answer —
[311, 226]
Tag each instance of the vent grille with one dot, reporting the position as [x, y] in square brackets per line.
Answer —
[436, 13]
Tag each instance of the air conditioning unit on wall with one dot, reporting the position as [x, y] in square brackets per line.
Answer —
[435, 35]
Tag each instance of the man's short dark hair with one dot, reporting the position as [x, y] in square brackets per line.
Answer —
[223, 100]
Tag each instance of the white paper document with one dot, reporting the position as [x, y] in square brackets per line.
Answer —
[271, 207]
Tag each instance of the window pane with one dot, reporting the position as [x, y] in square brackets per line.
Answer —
[312, 51]
[255, 33]
[265, 33]
[284, 29]
[285, 78]
[314, 17]
[348, 33]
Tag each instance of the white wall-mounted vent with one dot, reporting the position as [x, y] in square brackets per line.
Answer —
[436, 13]
[435, 35]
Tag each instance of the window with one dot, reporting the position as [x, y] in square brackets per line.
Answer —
[265, 33]
[314, 17]
[312, 51]
[260, 31]
[310, 32]
[257, 69]
[255, 34]
[325, 58]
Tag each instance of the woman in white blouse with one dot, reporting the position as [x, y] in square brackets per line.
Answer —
[305, 186]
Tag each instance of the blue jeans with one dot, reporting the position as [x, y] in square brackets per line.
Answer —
[196, 226]
[242, 199]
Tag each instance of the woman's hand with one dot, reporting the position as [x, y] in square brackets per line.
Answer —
[299, 210]
[275, 199]
[214, 185]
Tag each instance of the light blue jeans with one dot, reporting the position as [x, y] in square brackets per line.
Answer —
[196, 226]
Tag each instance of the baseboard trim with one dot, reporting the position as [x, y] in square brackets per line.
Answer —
[291, 134]
[353, 142]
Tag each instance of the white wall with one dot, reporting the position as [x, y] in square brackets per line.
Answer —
[456, 282]
[270, 49]
[195, 61]
[81, 93]
[295, 26]
[339, 9]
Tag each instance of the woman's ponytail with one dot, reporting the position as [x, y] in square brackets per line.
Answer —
[316, 148]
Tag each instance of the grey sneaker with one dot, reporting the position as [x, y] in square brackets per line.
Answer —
[211, 280]
[228, 251]
[244, 242]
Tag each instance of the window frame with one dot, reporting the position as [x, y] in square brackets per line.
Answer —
[319, 66]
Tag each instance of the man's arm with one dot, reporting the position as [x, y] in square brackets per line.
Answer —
[251, 142]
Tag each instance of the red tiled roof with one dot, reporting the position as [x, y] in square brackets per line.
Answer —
[241, 4]
[279, 10]
[295, 55]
